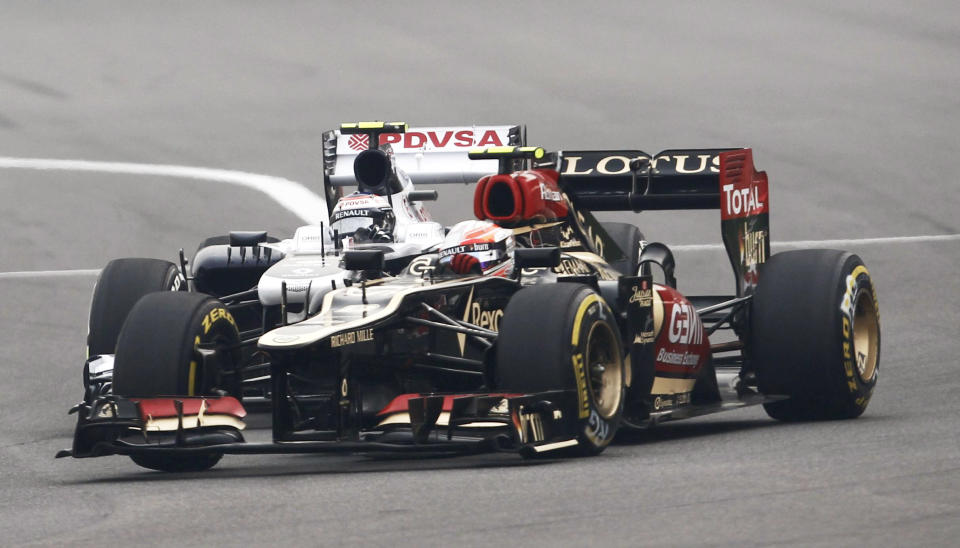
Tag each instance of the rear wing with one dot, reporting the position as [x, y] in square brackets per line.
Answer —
[602, 180]
[428, 155]
[717, 178]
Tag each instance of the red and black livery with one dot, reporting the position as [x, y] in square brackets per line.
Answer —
[587, 333]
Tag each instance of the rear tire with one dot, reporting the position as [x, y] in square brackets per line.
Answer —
[120, 285]
[564, 337]
[628, 238]
[816, 335]
[156, 356]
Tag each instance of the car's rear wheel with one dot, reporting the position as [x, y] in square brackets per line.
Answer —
[816, 334]
[628, 238]
[120, 285]
[564, 337]
[157, 355]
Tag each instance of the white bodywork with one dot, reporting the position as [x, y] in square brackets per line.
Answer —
[312, 262]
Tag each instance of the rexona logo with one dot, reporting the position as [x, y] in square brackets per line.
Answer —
[488, 319]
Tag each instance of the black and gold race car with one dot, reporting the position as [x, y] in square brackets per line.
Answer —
[543, 335]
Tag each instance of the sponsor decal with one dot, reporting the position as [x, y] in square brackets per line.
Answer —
[741, 200]
[854, 360]
[645, 337]
[618, 164]
[464, 138]
[753, 248]
[351, 337]
[665, 402]
[355, 212]
[583, 397]
[358, 142]
[431, 139]
[214, 315]
[487, 319]
[177, 282]
[686, 359]
[421, 265]
[685, 326]
[502, 408]
[598, 430]
[642, 295]
[550, 195]
[573, 267]
[470, 248]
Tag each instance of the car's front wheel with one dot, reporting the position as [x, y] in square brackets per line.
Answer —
[158, 354]
[564, 337]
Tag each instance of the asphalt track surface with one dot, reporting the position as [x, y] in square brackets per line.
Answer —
[851, 108]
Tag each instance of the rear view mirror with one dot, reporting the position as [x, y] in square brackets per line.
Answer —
[422, 196]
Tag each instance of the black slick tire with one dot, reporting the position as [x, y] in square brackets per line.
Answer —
[564, 337]
[815, 335]
[628, 238]
[157, 356]
[120, 285]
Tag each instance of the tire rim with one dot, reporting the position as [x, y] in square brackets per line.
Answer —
[605, 366]
[866, 336]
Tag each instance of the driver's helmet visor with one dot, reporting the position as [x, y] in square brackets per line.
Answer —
[488, 253]
[347, 221]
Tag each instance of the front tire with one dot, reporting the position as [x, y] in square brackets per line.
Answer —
[120, 285]
[564, 337]
[816, 335]
[157, 356]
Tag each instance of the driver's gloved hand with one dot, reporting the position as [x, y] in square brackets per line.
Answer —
[362, 234]
[380, 236]
[462, 263]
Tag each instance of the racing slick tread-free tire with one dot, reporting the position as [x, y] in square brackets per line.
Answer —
[564, 337]
[816, 334]
[120, 285]
[156, 356]
[628, 239]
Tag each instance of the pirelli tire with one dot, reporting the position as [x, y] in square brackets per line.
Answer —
[157, 355]
[816, 335]
[565, 337]
[629, 239]
[120, 285]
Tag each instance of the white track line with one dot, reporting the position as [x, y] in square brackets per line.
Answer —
[797, 244]
[801, 244]
[293, 196]
[48, 274]
[312, 208]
